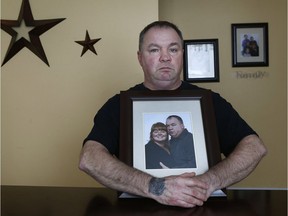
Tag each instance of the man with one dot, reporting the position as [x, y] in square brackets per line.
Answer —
[245, 45]
[253, 47]
[181, 143]
[160, 55]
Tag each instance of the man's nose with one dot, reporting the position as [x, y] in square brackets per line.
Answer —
[165, 56]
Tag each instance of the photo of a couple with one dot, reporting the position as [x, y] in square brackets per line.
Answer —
[249, 46]
[170, 145]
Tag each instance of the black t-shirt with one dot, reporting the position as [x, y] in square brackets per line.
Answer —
[231, 127]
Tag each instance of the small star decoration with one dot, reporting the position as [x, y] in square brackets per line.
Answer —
[88, 44]
[39, 27]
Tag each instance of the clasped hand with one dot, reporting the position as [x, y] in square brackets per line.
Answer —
[185, 190]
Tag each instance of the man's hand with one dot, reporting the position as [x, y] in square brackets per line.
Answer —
[182, 190]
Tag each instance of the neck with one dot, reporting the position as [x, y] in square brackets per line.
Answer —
[162, 85]
[162, 144]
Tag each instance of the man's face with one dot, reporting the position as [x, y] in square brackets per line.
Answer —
[174, 127]
[161, 58]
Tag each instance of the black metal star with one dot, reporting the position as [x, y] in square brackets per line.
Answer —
[34, 45]
[88, 44]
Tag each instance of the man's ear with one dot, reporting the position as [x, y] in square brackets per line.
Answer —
[139, 57]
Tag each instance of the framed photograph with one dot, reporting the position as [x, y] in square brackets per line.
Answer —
[152, 121]
[201, 60]
[250, 45]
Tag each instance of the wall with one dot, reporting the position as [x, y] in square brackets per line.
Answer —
[262, 102]
[48, 111]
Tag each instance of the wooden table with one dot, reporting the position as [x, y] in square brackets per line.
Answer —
[64, 201]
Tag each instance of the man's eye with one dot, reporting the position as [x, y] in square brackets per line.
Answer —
[173, 50]
[153, 50]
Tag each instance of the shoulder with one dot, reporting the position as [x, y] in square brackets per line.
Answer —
[216, 97]
[150, 146]
[188, 86]
[115, 100]
[186, 134]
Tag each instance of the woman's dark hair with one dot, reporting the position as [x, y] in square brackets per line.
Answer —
[158, 126]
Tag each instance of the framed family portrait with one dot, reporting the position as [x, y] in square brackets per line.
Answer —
[201, 60]
[148, 122]
[250, 45]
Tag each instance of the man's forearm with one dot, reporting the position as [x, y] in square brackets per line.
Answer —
[238, 165]
[96, 161]
[181, 190]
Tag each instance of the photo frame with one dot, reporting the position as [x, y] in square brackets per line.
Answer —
[250, 45]
[139, 110]
[201, 60]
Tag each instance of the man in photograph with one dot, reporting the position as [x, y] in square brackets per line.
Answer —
[181, 143]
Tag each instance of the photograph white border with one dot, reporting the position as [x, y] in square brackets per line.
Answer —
[163, 109]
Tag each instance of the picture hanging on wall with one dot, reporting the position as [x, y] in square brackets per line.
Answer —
[201, 60]
[250, 44]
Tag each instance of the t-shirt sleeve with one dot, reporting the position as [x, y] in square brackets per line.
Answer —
[232, 128]
[106, 125]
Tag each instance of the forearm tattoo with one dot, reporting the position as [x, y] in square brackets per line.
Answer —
[157, 186]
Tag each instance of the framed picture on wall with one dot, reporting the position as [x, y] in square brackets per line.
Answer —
[146, 140]
[201, 60]
[250, 44]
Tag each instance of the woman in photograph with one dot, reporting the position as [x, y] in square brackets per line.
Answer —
[157, 150]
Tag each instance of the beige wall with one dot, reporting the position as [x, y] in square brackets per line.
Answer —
[47, 111]
[262, 102]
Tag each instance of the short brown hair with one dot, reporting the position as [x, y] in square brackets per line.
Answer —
[159, 24]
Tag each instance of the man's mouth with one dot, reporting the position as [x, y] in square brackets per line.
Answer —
[165, 68]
